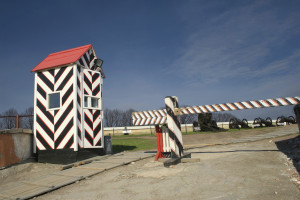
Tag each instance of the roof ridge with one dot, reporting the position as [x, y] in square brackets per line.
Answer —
[76, 48]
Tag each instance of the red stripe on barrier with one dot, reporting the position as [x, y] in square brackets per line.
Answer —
[159, 140]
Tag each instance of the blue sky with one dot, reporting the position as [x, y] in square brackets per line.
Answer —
[203, 52]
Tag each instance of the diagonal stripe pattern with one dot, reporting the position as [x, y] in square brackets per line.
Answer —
[54, 127]
[92, 117]
[149, 118]
[174, 128]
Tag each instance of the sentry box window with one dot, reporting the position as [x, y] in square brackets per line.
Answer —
[91, 102]
[54, 100]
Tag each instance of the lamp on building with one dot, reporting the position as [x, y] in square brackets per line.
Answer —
[98, 66]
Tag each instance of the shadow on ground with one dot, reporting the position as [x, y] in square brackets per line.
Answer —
[291, 148]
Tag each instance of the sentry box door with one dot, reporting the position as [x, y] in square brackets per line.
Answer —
[92, 109]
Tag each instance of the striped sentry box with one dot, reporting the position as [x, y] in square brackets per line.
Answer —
[156, 117]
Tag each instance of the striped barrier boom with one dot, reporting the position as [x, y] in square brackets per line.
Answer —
[155, 117]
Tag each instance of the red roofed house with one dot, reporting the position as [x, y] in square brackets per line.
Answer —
[68, 105]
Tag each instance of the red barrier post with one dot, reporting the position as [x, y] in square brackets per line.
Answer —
[159, 140]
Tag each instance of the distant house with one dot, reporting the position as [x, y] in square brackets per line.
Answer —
[68, 102]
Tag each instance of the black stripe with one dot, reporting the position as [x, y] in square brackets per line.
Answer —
[270, 103]
[64, 133]
[81, 62]
[260, 104]
[97, 129]
[88, 137]
[92, 56]
[290, 102]
[44, 111]
[86, 60]
[78, 69]
[65, 81]
[67, 94]
[214, 110]
[79, 132]
[235, 108]
[88, 120]
[87, 82]
[173, 137]
[41, 91]
[44, 127]
[99, 142]
[220, 107]
[63, 116]
[69, 143]
[55, 112]
[78, 100]
[175, 119]
[298, 101]
[95, 77]
[51, 71]
[278, 102]
[46, 81]
[78, 83]
[96, 90]
[251, 104]
[40, 138]
[96, 115]
[59, 73]
[78, 116]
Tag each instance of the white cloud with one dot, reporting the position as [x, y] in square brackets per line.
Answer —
[239, 43]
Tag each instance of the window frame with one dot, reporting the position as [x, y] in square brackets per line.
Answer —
[48, 101]
[89, 102]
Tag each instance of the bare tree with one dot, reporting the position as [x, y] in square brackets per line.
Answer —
[222, 117]
[27, 122]
[117, 118]
[108, 118]
[9, 122]
[187, 119]
[127, 117]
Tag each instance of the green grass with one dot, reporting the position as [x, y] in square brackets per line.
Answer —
[132, 144]
[130, 135]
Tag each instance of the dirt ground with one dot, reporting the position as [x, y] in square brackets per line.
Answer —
[266, 169]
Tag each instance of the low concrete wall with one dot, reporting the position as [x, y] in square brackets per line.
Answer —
[15, 146]
[140, 130]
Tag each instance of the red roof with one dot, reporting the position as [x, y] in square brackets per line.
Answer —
[62, 58]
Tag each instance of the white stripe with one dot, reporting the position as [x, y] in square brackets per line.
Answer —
[148, 118]
[66, 139]
[40, 145]
[281, 100]
[45, 119]
[49, 76]
[256, 105]
[291, 100]
[45, 136]
[224, 107]
[208, 108]
[263, 102]
[62, 77]
[230, 106]
[238, 105]
[43, 86]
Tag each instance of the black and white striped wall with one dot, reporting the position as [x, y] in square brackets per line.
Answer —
[73, 125]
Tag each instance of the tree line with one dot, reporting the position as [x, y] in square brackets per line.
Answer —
[120, 118]
[111, 118]
[10, 122]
